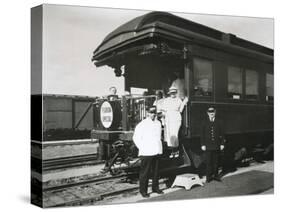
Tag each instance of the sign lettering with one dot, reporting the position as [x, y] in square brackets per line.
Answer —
[106, 114]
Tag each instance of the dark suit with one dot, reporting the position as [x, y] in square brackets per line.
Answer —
[212, 136]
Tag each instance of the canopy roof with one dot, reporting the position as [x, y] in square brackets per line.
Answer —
[173, 27]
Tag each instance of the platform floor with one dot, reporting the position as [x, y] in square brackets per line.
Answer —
[245, 175]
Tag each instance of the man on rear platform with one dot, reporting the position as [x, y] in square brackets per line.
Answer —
[113, 94]
[147, 138]
[212, 142]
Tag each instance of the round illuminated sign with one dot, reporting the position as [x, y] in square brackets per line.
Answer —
[106, 114]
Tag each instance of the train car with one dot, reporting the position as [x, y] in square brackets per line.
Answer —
[219, 69]
[62, 117]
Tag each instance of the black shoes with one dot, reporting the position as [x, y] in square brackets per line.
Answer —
[145, 195]
[216, 178]
[158, 191]
[209, 180]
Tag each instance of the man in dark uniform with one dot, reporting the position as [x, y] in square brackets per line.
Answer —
[113, 94]
[212, 142]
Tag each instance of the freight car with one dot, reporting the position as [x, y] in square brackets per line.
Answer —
[62, 117]
[219, 69]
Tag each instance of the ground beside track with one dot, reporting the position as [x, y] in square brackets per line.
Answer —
[178, 192]
[69, 148]
[58, 149]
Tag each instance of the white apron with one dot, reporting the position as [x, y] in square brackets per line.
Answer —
[172, 121]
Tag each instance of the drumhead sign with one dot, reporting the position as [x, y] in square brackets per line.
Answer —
[106, 114]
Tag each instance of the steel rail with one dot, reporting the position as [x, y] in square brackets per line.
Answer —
[85, 182]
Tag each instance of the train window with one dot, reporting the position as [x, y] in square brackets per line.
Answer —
[203, 77]
[251, 84]
[234, 89]
[269, 87]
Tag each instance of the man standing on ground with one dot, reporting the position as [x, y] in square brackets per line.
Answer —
[212, 142]
[147, 138]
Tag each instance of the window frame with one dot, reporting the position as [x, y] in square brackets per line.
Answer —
[242, 84]
[266, 96]
[212, 78]
[245, 85]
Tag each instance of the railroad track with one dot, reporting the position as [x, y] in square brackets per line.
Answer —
[92, 200]
[70, 162]
[111, 186]
[102, 179]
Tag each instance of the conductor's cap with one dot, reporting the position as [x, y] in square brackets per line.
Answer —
[211, 110]
[152, 110]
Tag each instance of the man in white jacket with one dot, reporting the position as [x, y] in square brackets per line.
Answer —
[147, 138]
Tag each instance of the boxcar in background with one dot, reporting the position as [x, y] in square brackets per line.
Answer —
[62, 117]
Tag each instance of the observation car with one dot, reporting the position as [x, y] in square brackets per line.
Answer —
[219, 69]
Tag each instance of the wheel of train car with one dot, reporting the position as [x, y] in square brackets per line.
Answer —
[110, 114]
[119, 147]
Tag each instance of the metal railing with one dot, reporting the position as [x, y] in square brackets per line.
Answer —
[133, 110]
[136, 109]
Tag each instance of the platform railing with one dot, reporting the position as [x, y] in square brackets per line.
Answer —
[134, 110]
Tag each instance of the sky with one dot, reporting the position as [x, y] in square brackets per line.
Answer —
[72, 33]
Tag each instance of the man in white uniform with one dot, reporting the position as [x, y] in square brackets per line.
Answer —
[147, 138]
